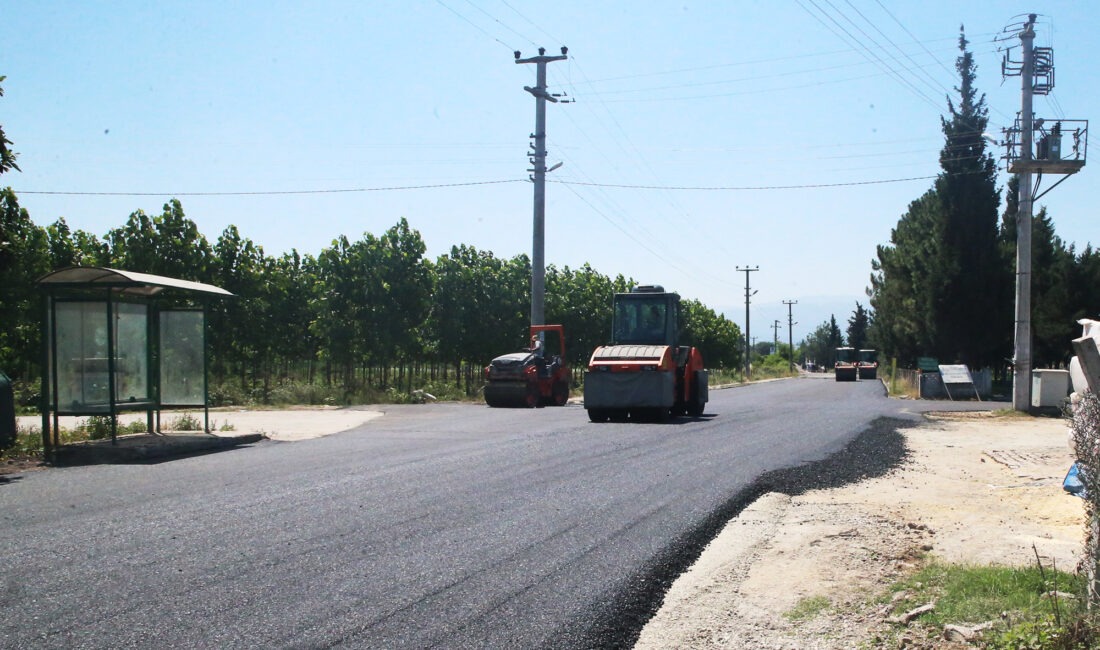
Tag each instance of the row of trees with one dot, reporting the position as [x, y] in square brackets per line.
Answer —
[361, 313]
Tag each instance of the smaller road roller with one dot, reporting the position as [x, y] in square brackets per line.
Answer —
[532, 377]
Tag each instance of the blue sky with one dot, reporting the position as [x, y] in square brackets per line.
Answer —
[161, 100]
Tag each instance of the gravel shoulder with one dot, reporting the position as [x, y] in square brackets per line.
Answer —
[973, 489]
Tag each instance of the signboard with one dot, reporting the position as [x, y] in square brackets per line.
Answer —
[956, 375]
[927, 364]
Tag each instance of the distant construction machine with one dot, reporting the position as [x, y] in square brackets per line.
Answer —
[846, 367]
[868, 364]
[532, 377]
[645, 374]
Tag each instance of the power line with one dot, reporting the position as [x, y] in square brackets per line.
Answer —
[866, 51]
[712, 188]
[741, 188]
[898, 48]
[498, 21]
[474, 25]
[753, 63]
[951, 73]
[276, 192]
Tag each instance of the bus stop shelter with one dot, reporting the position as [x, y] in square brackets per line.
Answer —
[118, 341]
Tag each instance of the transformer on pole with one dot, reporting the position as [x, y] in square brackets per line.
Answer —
[1027, 157]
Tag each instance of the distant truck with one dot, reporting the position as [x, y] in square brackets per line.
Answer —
[868, 364]
[846, 367]
[644, 374]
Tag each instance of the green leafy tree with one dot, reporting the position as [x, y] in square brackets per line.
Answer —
[238, 344]
[581, 302]
[719, 339]
[7, 156]
[404, 294]
[858, 325]
[820, 346]
[337, 325]
[168, 244]
[24, 257]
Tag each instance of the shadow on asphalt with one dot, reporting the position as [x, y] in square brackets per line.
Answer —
[875, 452]
[148, 449]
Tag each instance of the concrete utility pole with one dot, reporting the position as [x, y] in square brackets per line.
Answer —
[790, 327]
[1021, 359]
[775, 337]
[748, 295]
[537, 159]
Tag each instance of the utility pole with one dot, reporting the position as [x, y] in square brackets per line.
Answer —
[1036, 72]
[537, 158]
[775, 337]
[790, 327]
[748, 295]
[1021, 367]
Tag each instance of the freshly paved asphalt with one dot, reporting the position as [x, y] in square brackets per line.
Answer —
[451, 526]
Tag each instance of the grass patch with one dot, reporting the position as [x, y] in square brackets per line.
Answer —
[1015, 600]
[807, 608]
[184, 422]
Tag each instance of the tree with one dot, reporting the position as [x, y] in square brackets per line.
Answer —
[168, 244]
[938, 286]
[24, 257]
[581, 301]
[7, 156]
[858, 325]
[719, 339]
[968, 269]
[902, 294]
[820, 346]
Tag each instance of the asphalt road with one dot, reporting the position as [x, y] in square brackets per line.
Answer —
[450, 526]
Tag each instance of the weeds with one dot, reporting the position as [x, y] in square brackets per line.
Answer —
[185, 422]
[808, 608]
[1017, 601]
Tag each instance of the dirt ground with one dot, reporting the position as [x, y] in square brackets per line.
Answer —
[977, 489]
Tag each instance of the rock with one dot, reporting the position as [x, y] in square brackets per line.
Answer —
[962, 633]
[908, 617]
[959, 633]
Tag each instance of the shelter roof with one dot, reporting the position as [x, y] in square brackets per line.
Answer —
[127, 282]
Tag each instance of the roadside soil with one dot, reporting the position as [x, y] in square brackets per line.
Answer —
[975, 489]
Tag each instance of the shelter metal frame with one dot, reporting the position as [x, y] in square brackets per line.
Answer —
[85, 289]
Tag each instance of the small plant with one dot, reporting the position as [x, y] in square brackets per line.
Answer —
[807, 608]
[97, 427]
[226, 426]
[185, 422]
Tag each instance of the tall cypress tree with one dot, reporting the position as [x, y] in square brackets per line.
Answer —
[938, 286]
[968, 268]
